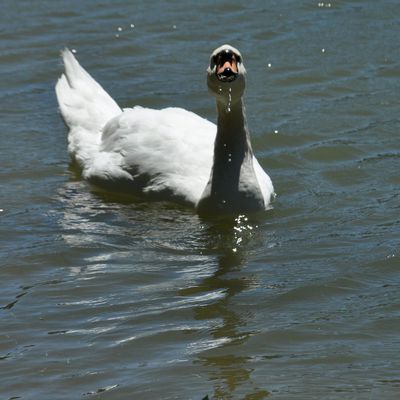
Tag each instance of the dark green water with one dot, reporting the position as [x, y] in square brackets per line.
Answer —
[106, 299]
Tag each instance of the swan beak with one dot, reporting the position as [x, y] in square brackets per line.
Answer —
[227, 65]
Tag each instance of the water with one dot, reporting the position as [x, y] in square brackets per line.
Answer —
[106, 298]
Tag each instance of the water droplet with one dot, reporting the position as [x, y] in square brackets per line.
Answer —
[132, 26]
[73, 51]
[229, 100]
[173, 26]
[269, 65]
[119, 29]
[276, 131]
[323, 50]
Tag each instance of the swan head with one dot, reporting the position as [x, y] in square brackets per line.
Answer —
[226, 74]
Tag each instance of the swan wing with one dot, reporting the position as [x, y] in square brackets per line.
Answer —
[82, 100]
[264, 182]
[85, 107]
[168, 150]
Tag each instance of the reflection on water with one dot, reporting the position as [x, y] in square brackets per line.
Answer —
[230, 239]
[92, 220]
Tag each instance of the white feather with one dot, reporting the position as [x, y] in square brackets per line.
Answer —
[168, 151]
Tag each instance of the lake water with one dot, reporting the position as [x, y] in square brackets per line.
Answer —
[103, 298]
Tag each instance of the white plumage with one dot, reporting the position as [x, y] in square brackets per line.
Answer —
[170, 153]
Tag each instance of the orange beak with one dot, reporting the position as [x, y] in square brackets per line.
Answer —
[231, 64]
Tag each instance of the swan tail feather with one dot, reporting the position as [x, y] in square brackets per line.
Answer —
[85, 107]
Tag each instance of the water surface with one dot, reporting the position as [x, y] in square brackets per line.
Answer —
[113, 299]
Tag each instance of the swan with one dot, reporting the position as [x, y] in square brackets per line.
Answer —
[170, 153]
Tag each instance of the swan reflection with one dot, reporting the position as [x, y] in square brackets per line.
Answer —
[160, 270]
[230, 241]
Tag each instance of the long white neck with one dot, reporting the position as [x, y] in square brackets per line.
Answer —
[233, 186]
[232, 147]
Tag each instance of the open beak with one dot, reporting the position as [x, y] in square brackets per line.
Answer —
[227, 66]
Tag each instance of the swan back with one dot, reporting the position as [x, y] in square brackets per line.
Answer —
[167, 150]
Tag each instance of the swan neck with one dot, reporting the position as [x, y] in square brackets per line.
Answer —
[232, 129]
[233, 185]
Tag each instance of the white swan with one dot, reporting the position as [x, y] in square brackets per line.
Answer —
[170, 153]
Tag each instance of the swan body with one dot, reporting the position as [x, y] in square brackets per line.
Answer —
[169, 153]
